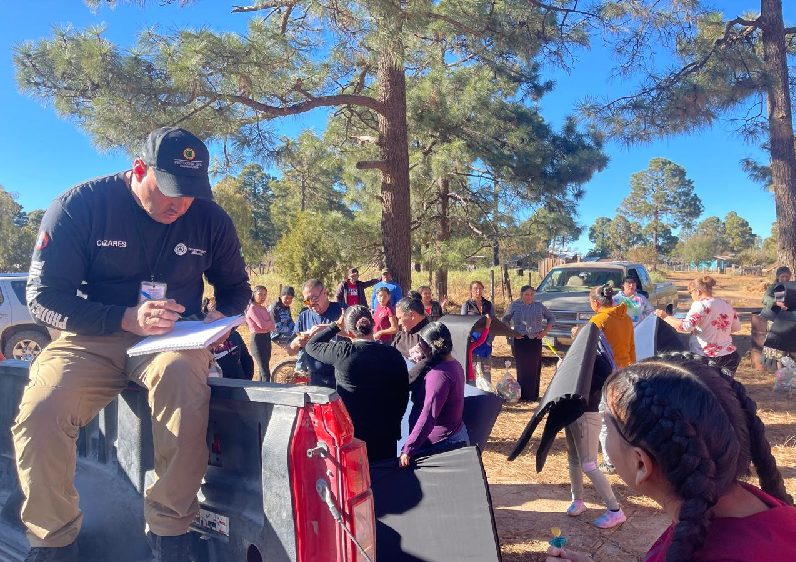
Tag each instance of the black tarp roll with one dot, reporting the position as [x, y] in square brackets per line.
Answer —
[436, 510]
[565, 399]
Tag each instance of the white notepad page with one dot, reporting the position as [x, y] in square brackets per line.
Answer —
[187, 334]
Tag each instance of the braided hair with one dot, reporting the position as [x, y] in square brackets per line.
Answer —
[701, 428]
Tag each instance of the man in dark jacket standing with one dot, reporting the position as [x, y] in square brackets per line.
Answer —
[351, 291]
[137, 245]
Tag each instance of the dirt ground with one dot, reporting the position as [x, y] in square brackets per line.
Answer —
[527, 504]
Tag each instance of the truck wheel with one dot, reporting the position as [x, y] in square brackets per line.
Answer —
[25, 345]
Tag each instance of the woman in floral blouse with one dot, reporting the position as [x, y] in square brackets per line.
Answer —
[710, 321]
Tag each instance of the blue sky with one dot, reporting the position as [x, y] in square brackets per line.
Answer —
[42, 155]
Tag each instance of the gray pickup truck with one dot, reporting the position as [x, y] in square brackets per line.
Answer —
[565, 291]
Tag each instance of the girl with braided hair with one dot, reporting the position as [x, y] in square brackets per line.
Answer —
[683, 432]
[437, 398]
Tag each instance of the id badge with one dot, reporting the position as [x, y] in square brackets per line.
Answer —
[151, 291]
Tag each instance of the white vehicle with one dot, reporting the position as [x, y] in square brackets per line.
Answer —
[20, 337]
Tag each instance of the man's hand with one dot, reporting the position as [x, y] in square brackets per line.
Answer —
[403, 462]
[152, 318]
[315, 329]
[214, 315]
[781, 305]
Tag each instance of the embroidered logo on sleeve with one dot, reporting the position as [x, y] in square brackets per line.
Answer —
[42, 240]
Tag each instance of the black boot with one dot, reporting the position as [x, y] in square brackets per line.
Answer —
[169, 549]
[68, 553]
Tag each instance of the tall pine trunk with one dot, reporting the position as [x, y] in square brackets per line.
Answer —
[396, 211]
[780, 125]
[441, 274]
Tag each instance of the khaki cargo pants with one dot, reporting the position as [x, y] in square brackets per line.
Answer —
[71, 381]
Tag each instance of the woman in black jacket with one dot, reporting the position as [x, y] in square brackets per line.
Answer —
[371, 378]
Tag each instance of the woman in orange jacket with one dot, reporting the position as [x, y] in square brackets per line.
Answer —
[615, 324]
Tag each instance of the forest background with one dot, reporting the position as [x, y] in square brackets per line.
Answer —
[434, 150]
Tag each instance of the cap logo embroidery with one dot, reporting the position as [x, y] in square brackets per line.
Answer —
[180, 249]
[189, 153]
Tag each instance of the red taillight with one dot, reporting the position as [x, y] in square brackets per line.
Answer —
[356, 471]
[361, 520]
[324, 449]
[337, 421]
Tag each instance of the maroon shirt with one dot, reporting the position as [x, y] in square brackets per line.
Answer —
[351, 293]
[382, 321]
[768, 535]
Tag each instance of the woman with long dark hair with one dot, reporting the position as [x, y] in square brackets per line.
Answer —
[371, 379]
[437, 398]
[260, 325]
[684, 432]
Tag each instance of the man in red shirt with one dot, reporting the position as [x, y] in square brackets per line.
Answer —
[351, 291]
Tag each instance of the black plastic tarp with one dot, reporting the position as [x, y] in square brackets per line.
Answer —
[565, 399]
[462, 327]
[436, 510]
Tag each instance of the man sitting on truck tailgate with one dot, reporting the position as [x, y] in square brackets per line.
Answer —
[137, 244]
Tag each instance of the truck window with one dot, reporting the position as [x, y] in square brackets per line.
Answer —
[646, 283]
[19, 290]
[579, 280]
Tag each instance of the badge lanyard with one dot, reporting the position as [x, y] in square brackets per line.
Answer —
[150, 290]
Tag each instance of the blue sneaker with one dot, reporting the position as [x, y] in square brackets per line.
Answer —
[576, 508]
[610, 519]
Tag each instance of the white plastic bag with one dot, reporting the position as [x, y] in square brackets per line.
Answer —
[508, 387]
[784, 379]
[481, 383]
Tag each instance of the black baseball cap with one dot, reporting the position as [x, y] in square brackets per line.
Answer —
[631, 279]
[287, 290]
[180, 161]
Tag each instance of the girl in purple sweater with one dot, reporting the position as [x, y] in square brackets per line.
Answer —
[437, 398]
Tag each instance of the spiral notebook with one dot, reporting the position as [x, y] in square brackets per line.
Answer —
[187, 334]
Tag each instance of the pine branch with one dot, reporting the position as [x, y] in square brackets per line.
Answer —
[373, 165]
[560, 9]
[303, 107]
[458, 25]
[264, 6]
[691, 68]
